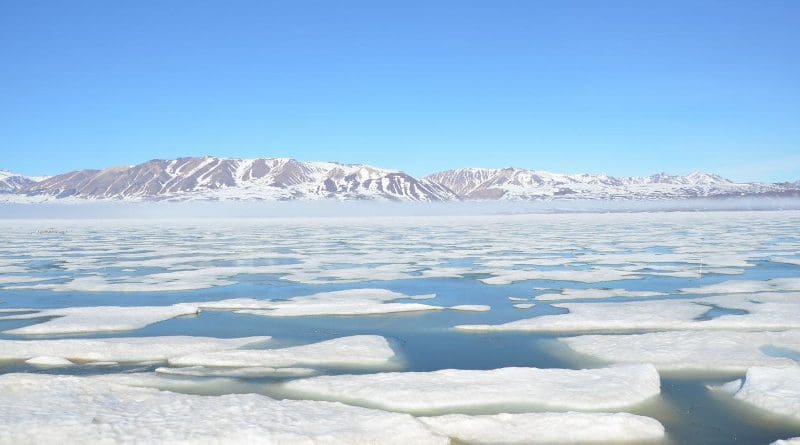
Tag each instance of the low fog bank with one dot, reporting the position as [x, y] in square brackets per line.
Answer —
[331, 208]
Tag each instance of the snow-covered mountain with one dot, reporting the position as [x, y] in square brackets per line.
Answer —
[521, 184]
[13, 183]
[280, 179]
[210, 178]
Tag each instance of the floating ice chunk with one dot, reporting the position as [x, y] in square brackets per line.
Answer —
[44, 361]
[74, 320]
[524, 305]
[344, 302]
[245, 372]
[587, 317]
[517, 299]
[792, 441]
[547, 428]
[578, 294]
[471, 307]
[361, 351]
[452, 390]
[741, 286]
[422, 297]
[704, 351]
[125, 350]
[763, 313]
[45, 409]
[776, 390]
[23, 279]
[508, 276]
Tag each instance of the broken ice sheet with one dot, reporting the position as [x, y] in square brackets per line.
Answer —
[547, 428]
[79, 320]
[691, 351]
[358, 351]
[39, 408]
[775, 390]
[121, 350]
[758, 312]
[486, 391]
[580, 294]
[344, 302]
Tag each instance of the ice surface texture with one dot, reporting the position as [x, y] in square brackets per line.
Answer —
[50, 409]
[452, 390]
[547, 428]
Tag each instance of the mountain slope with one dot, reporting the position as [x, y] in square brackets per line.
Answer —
[280, 179]
[521, 184]
[13, 183]
[219, 178]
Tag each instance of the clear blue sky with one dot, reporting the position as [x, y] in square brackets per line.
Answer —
[624, 88]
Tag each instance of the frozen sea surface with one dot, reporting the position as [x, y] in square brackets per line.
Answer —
[333, 330]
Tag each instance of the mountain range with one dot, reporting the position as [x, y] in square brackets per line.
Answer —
[280, 179]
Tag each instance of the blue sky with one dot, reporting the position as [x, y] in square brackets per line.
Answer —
[617, 87]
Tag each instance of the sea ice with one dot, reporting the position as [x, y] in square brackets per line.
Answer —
[776, 390]
[46, 409]
[75, 320]
[685, 351]
[45, 361]
[508, 276]
[762, 312]
[547, 428]
[121, 350]
[244, 372]
[360, 351]
[453, 390]
[344, 302]
[578, 294]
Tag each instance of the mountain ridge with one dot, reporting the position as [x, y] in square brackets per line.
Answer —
[282, 179]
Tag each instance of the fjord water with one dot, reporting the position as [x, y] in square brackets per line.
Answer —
[83, 263]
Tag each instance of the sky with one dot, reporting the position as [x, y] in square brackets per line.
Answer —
[625, 88]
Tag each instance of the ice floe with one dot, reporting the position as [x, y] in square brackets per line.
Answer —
[344, 302]
[759, 312]
[471, 308]
[244, 372]
[792, 441]
[455, 390]
[121, 350]
[547, 428]
[47, 409]
[358, 351]
[45, 361]
[508, 276]
[775, 390]
[584, 294]
[685, 351]
[77, 320]
[741, 286]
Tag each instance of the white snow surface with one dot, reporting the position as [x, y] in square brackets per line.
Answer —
[243, 372]
[547, 428]
[45, 361]
[345, 302]
[358, 351]
[775, 390]
[690, 351]
[43, 409]
[454, 390]
[585, 294]
[121, 350]
[764, 311]
[75, 320]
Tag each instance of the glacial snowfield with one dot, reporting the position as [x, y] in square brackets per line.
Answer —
[651, 328]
